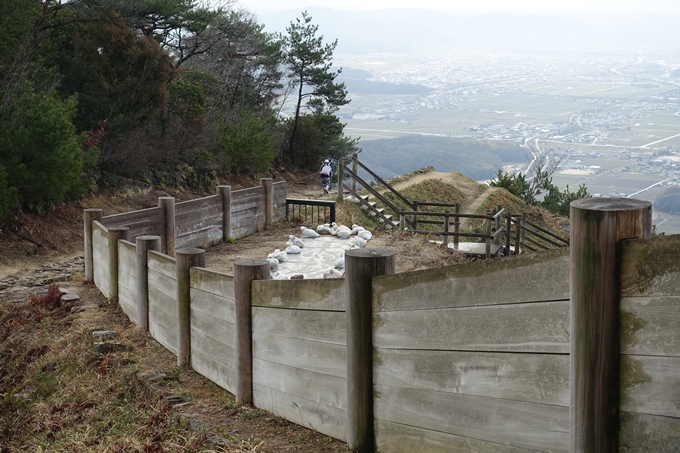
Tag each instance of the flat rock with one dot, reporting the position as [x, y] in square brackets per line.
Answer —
[69, 297]
[176, 400]
[108, 347]
[155, 376]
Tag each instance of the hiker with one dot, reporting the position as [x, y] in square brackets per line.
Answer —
[325, 174]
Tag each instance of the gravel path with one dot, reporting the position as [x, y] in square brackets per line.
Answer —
[18, 287]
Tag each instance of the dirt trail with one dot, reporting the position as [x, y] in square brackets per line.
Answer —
[476, 203]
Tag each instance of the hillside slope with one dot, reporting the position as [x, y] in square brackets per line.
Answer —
[474, 198]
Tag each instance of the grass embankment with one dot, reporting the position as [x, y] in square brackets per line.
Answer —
[467, 193]
[57, 394]
[536, 215]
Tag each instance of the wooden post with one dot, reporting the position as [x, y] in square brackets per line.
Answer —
[354, 171]
[168, 203]
[508, 233]
[499, 223]
[402, 220]
[518, 234]
[144, 244]
[186, 258]
[90, 215]
[114, 235]
[597, 227]
[245, 271]
[446, 228]
[268, 200]
[341, 183]
[488, 235]
[225, 191]
[415, 216]
[361, 265]
[456, 226]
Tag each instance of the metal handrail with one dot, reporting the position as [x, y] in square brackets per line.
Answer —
[305, 202]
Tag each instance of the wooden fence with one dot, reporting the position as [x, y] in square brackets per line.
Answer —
[475, 357]
[200, 222]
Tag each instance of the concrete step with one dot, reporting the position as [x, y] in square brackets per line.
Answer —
[370, 203]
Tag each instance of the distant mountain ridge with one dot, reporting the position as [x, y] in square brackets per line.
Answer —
[416, 30]
[406, 30]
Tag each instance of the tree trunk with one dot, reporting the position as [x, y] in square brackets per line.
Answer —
[295, 124]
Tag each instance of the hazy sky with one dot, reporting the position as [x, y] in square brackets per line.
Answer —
[463, 6]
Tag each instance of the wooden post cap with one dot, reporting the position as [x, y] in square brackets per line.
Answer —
[148, 237]
[370, 253]
[610, 204]
[189, 251]
[250, 262]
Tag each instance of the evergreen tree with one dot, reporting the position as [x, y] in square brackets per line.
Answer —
[309, 63]
[40, 151]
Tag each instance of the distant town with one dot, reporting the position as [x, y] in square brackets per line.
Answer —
[612, 115]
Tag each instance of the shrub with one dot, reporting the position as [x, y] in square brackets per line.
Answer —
[40, 150]
[246, 145]
[8, 197]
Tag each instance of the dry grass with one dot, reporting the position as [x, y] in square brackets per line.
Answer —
[58, 395]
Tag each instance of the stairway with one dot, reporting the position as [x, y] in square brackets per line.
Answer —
[374, 211]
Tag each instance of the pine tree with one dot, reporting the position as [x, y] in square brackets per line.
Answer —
[309, 63]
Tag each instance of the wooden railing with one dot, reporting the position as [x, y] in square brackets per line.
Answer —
[490, 235]
[535, 238]
[325, 210]
[512, 231]
[357, 180]
[387, 220]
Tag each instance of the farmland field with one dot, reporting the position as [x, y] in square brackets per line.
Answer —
[605, 109]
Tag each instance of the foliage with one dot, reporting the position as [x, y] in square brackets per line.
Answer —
[246, 145]
[319, 136]
[309, 61]
[40, 150]
[184, 28]
[558, 202]
[16, 23]
[247, 62]
[188, 97]
[8, 196]
[669, 201]
[554, 201]
[515, 183]
[175, 92]
[119, 77]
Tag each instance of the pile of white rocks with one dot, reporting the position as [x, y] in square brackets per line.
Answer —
[357, 236]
